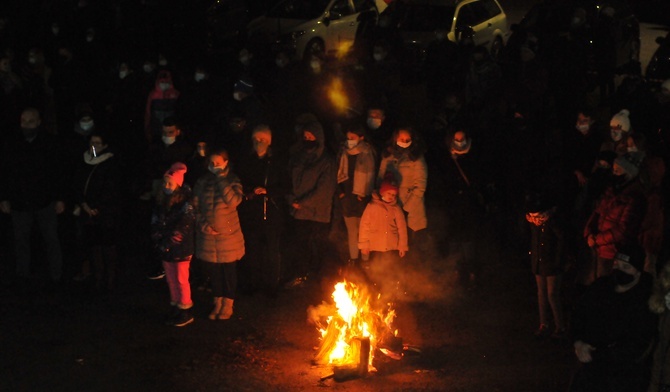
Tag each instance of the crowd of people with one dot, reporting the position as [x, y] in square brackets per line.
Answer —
[232, 170]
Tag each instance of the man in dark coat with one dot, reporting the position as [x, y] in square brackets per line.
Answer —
[33, 192]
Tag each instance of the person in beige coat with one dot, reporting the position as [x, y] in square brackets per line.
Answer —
[219, 239]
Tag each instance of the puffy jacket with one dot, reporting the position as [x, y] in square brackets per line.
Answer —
[412, 178]
[175, 221]
[216, 200]
[383, 227]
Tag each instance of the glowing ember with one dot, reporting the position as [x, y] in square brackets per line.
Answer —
[355, 317]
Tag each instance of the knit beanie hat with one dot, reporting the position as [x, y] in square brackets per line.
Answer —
[388, 183]
[632, 254]
[629, 164]
[176, 172]
[621, 120]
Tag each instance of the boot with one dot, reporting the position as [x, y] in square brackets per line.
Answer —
[218, 302]
[226, 310]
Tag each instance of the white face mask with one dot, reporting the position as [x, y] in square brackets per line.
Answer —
[403, 145]
[632, 149]
[89, 38]
[55, 30]
[216, 169]
[168, 140]
[244, 60]
[199, 76]
[147, 68]
[32, 60]
[378, 56]
[237, 96]
[164, 86]
[86, 125]
[162, 62]
[374, 123]
[351, 143]
[583, 128]
[123, 74]
[316, 66]
[460, 143]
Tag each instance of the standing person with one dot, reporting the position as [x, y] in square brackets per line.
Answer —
[265, 180]
[161, 104]
[356, 179]
[659, 304]
[33, 192]
[219, 239]
[613, 329]
[617, 217]
[404, 158]
[97, 198]
[313, 175]
[383, 232]
[620, 127]
[172, 232]
[546, 257]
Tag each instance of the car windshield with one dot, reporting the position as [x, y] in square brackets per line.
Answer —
[299, 9]
[426, 17]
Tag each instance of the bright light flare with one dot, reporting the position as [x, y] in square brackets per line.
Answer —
[337, 95]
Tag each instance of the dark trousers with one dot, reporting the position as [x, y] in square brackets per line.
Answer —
[261, 266]
[47, 221]
[312, 238]
[223, 278]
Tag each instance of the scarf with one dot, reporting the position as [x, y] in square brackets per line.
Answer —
[364, 172]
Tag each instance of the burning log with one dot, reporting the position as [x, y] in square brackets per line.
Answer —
[330, 338]
[348, 372]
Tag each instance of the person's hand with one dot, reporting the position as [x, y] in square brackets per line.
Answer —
[177, 237]
[5, 207]
[583, 351]
[365, 251]
[591, 240]
[88, 210]
[581, 178]
[59, 207]
[260, 191]
[295, 206]
[207, 229]
[401, 253]
[341, 195]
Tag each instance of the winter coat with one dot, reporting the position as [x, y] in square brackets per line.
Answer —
[546, 248]
[617, 218]
[412, 177]
[216, 198]
[268, 172]
[313, 175]
[168, 225]
[382, 227]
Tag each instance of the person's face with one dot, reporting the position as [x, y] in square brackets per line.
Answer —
[617, 170]
[353, 136]
[404, 136]
[583, 119]
[201, 147]
[309, 136]
[30, 120]
[171, 131]
[460, 138]
[217, 161]
[376, 114]
[630, 142]
[170, 183]
[389, 195]
[262, 138]
[97, 143]
[538, 218]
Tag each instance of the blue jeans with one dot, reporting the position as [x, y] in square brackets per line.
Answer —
[47, 222]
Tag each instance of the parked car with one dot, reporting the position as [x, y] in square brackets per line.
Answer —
[417, 21]
[658, 69]
[302, 27]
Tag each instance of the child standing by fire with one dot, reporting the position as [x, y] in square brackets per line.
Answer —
[383, 232]
[172, 234]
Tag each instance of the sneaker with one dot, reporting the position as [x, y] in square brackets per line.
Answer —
[172, 315]
[160, 274]
[184, 318]
[542, 331]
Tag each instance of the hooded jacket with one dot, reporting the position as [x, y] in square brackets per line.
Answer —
[383, 226]
[160, 104]
[313, 175]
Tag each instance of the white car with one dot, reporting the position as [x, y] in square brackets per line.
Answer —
[312, 26]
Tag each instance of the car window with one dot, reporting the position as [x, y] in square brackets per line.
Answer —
[424, 17]
[491, 8]
[472, 14]
[299, 9]
[341, 8]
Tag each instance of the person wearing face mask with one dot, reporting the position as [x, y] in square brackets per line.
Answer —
[613, 329]
[381, 78]
[620, 126]
[219, 239]
[161, 104]
[96, 190]
[247, 104]
[547, 264]
[378, 128]
[404, 157]
[313, 176]
[33, 190]
[356, 180]
[172, 234]
[169, 149]
[382, 237]
[263, 212]
[617, 216]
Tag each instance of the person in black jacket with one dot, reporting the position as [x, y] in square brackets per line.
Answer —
[33, 192]
[174, 241]
[613, 328]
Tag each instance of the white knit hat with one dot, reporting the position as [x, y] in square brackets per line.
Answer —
[621, 120]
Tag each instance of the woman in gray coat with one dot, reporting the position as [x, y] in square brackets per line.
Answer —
[219, 239]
